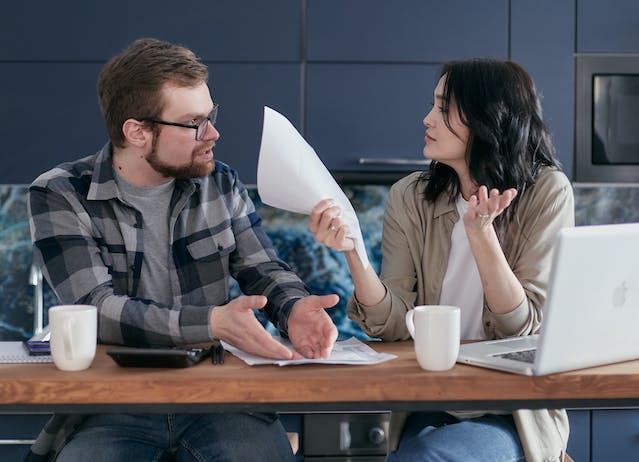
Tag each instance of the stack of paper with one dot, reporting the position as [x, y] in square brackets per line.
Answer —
[350, 351]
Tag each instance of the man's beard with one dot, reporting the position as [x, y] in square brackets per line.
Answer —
[192, 170]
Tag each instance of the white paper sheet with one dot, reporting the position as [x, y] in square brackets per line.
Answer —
[350, 351]
[291, 176]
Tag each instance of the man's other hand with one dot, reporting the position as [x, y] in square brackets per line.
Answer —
[310, 328]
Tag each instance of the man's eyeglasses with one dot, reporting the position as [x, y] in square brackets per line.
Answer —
[200, 128]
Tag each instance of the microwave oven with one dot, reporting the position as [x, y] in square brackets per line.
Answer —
[606, 118]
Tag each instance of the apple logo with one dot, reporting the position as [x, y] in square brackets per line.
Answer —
[619, 295]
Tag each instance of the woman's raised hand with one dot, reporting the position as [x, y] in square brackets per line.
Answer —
[485, 206]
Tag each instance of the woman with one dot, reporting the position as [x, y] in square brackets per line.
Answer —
[476, 231]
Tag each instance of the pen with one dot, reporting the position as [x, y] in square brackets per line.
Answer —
[213, 354]
[221, 353]
[217, 353]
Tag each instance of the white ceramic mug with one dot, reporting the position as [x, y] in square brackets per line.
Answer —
[74, 330]
[435, 330]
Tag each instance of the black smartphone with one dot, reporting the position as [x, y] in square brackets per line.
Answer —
[157, 357]
[37, 347]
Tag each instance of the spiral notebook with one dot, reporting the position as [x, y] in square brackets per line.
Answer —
[15, 352]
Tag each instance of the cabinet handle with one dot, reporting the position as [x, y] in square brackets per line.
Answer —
[16, 441]
[344, 436]
[391, 161]
[35, 279]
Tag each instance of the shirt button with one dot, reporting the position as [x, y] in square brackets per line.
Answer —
[220, 248]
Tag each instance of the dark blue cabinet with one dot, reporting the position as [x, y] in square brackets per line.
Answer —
[615, 435]
[53, 52]
[547, 53]
[16, 433]
[220, 30]
[50, 115]
[372, 66]
[579, 441]
[368, 111]
[329, 65]
[54, 114]
[607, 27]
[242, 90]
[406, 31]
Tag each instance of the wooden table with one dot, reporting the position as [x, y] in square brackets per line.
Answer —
[398, 384]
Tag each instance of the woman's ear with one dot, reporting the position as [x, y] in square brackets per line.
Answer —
[136, 133]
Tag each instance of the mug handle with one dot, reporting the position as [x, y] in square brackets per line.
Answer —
[410, 324]
[67, 333]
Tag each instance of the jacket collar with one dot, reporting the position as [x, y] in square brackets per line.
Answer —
[444, 205]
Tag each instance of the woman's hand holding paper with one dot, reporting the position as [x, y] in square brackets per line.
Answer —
[328, 228]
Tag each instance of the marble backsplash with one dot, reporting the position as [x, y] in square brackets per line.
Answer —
[323, 270]
[16, 295]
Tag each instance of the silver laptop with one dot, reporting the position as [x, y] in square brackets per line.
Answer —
[591, 315]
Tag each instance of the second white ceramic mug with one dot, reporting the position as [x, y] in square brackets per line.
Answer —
[436, 331]
[73, 336]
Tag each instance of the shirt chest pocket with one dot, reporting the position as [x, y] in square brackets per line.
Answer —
[208, 268]
[212, 248]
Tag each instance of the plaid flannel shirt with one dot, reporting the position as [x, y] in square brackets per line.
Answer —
[90, 245]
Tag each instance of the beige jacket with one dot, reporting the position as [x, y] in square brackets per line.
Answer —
[415, 248]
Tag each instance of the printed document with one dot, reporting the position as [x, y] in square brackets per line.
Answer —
[351, 351]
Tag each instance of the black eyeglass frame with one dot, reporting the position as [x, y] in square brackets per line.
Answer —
[212, 117]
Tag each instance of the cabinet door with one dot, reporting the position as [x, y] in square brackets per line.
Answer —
[53, 115]
[615, 435]
[547, 53]
[369, 112]
[406, 31]
[229, 30]
[579, 441]
[604, 27]
[48, 79]
[17, 431]
[242, 90]
[50, 115]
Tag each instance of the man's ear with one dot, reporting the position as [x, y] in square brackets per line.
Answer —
[136, 133]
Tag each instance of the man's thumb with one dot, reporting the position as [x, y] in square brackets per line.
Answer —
[250, 302]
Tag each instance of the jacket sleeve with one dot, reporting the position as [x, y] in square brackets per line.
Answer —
[255, 264]
[545, 208]
[400, 276]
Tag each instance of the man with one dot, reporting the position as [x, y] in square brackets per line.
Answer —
[150, 229]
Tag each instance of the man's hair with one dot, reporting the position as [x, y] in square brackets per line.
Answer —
[130, 84]
[508, 139]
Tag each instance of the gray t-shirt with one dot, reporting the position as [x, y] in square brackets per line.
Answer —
[153, 202]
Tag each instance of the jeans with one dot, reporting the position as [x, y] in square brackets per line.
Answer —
[244, 437]
[440, 437]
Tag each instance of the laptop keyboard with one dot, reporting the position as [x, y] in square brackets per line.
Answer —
[526, 356]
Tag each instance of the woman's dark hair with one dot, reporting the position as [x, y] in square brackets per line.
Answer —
[508, 139]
